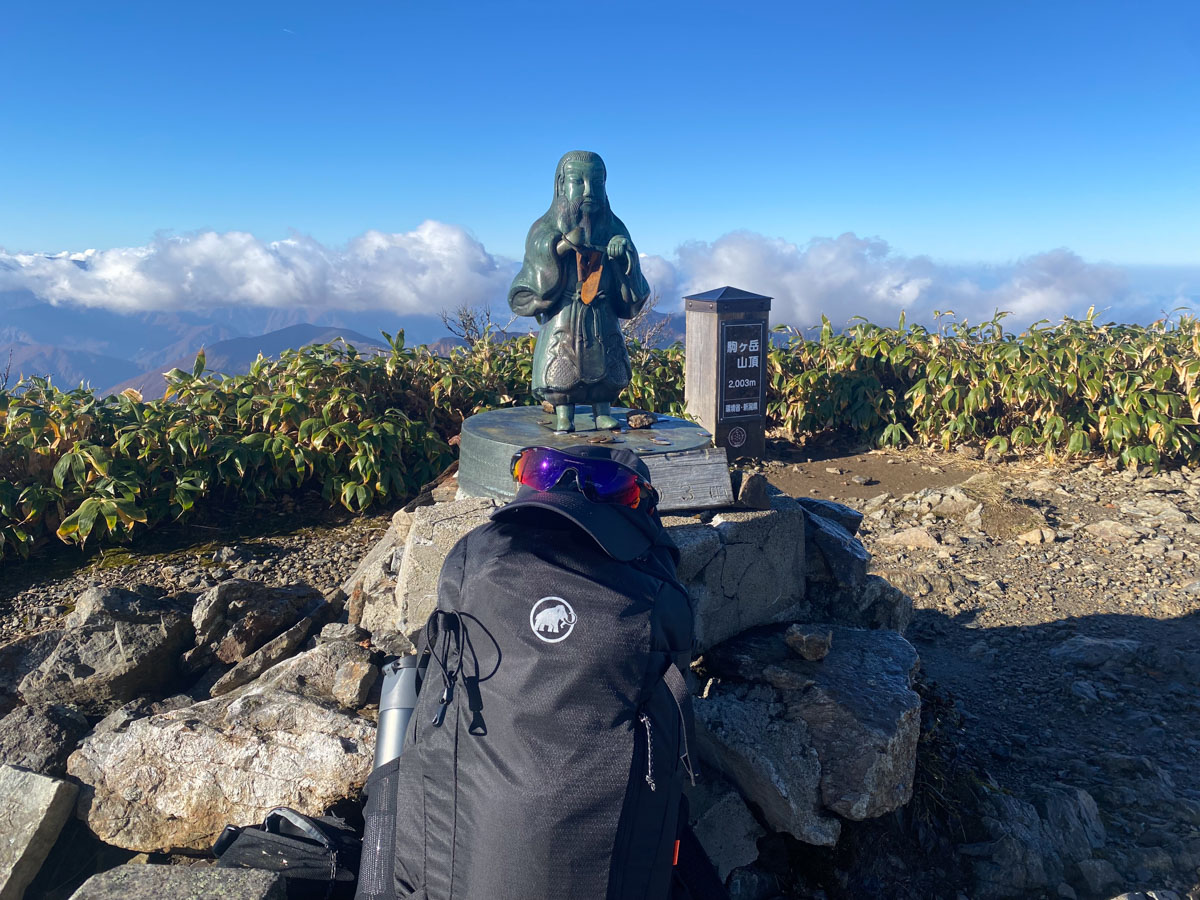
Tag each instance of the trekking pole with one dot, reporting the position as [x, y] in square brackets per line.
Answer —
[401, 683]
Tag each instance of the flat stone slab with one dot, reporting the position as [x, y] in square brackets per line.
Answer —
[33, 810]
[143, 882]
[490, 439]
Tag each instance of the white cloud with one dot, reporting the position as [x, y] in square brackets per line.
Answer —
[439, 266]
[434, 267]
[852, 276]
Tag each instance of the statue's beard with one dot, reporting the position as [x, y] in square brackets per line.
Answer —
[572, 215]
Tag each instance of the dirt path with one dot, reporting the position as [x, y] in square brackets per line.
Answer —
[1061, 608]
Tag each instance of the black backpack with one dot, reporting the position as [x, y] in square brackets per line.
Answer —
[549, 747]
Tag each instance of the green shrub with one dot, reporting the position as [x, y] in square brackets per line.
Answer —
[367, 429]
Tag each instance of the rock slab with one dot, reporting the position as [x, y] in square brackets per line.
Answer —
[433, 531]
[109, 661]
[40, 738]
[810, 739]
[33, 810]
[141, 882]
[175, 780]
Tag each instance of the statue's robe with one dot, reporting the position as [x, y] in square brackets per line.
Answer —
[580, 356]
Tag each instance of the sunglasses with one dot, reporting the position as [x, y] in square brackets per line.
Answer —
[600, 480]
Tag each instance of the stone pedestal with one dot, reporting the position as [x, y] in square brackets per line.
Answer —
[741, 568]
[687, 471]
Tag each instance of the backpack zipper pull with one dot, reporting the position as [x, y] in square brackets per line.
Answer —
[649, 751]
[447, 695]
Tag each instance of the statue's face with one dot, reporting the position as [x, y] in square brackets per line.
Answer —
[583, 184]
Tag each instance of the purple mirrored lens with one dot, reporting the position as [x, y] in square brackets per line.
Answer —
[540, 468]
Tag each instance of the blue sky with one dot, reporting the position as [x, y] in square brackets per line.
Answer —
[968, 133]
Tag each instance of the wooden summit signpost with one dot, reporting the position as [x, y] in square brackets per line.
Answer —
[726, 367]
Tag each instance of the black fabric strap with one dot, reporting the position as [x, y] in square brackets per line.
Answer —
[677, 685]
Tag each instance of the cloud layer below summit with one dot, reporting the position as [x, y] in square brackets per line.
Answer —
[440, 266]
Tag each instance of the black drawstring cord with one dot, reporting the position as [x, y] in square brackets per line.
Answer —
[442, 636]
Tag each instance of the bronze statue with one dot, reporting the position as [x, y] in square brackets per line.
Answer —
[581, 274]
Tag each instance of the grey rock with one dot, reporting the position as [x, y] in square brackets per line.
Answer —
[1037, 536]
[272, 652]
[237, 617]
[145, 882]
[1091, 653]
[18, 659]
[1108, 530]
[391, 643]
[913, 538]
[33, 810]
[1095, 876]
[1150, 895]
[753, 577]
[728, 833]
[752, 493]
[811, 643]
[433, 532]
[340, 672]
[98, 667]
[175, 780]
[342, 631]
[833, 553]
[374, 580]
[1016, 858]
[849, 519]
[698, 545]
[40, 738]
[838, 735]
[1085, 691]
[876, 603]
[1072, 820]
[752, 883]
[742, 733]
[120, 719]
[105, 605]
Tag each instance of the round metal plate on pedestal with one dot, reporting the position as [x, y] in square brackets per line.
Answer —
[490, 439]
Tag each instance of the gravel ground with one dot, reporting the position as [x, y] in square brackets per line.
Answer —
[285, 543]
[1058, 605]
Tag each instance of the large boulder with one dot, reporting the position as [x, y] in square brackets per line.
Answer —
[806, 740]
[142, 882]
[340, 672]
[742, 569]
[274, 651]
[33, 810]
[20, 657]
[1020, 848]
[105, 605]
[875, 603]
[433, 531]
[236, 617]
[723, 825]
[374, 580]
[118, 645]
[175, 780]
[40, 738]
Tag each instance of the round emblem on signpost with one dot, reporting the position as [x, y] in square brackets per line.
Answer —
[552, 619]
[736, 436]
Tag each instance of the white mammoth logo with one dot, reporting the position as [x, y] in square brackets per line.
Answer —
[552, 619]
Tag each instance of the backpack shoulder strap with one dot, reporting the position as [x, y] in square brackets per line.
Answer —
[677, 684]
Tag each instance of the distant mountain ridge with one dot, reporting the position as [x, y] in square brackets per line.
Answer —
[66, 368]
[235, 356]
